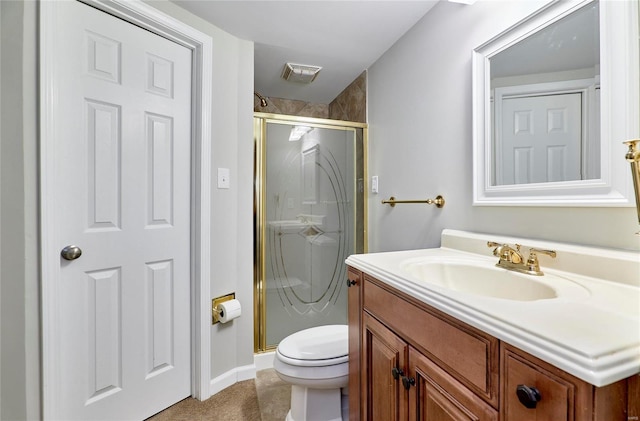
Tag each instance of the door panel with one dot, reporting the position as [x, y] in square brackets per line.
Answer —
[540, 140]
[122, 181]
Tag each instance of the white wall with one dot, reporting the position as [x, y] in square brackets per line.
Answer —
[232, 245]
[420, 138]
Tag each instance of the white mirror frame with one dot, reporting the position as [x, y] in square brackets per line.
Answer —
[620, 115]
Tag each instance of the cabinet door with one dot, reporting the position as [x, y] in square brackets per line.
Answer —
[436, 396]
[354, 310]
[383, 353]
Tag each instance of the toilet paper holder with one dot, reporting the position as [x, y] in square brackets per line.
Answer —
[215, 312]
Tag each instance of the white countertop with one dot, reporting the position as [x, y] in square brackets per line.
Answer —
[594, 336]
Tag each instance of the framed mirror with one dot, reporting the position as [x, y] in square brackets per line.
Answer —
[554, 97]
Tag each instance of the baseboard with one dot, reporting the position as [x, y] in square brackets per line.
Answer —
[232, 377]
[263, 360]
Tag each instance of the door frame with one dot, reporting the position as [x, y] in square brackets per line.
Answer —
[140, 14]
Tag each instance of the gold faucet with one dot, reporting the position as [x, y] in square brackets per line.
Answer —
[512, 259]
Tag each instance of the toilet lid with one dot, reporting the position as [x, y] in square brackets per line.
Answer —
[316, 343]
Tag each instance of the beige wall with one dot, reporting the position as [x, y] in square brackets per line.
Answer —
[421, 141]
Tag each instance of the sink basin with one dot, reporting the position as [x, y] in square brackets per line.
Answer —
[485, 279]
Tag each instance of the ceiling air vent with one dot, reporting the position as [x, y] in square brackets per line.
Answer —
[300, 73]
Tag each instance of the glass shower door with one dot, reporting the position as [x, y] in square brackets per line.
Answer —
[311, 194]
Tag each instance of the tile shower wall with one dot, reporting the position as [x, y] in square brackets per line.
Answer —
[291, 107]
[349, 105]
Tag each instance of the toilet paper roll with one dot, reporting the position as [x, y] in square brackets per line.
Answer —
[229, 310]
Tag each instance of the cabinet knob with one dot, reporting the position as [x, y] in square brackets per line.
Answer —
[528, 396]
[408, 382]
[350, 283]
[396, 373]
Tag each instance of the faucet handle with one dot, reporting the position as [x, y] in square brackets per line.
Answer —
[533, 251]
[532, 262]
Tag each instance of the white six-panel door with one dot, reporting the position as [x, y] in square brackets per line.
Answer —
[540, 139]
[122, 173]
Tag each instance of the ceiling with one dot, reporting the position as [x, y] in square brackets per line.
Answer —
[571, 43]
[343, 37]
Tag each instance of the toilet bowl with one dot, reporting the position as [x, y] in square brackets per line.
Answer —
[315, 362]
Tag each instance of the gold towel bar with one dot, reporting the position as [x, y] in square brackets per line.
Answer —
[438, 201]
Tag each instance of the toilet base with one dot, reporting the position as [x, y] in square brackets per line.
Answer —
[315, 404]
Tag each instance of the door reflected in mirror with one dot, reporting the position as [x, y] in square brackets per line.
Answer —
[546, 104]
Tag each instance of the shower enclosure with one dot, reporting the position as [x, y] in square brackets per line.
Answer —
[309, 216]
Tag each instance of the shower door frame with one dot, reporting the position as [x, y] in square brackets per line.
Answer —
[260, 121]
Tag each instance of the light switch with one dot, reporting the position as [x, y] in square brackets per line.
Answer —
[374, 184]
[223, 178]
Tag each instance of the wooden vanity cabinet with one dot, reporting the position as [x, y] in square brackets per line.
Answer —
[409, 361]
[399, 378]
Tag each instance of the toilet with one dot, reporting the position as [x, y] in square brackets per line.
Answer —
[315, 362]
